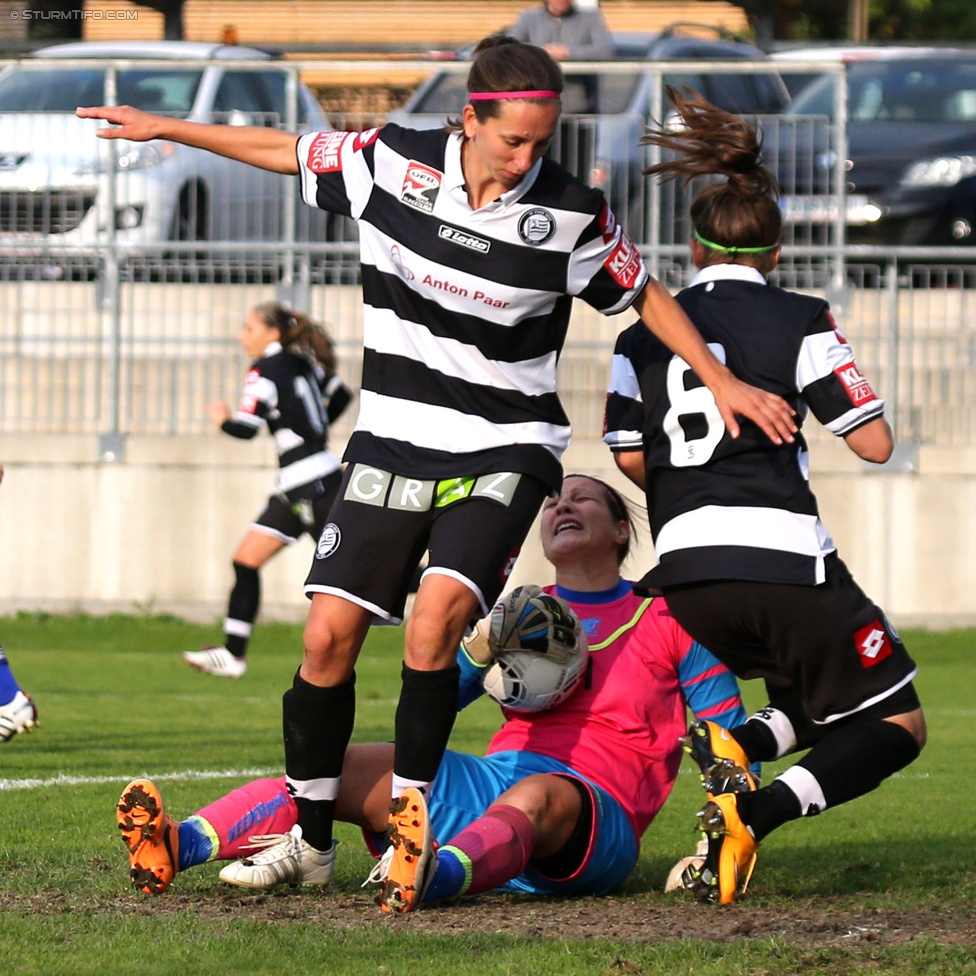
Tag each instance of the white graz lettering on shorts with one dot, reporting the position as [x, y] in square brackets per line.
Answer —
[373, 486]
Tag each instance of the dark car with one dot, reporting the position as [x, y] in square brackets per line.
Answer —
[605, 111]
[910, 167]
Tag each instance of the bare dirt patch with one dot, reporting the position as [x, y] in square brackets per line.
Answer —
[824, 922]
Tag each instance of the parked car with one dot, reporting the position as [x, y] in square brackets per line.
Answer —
[604, 111]
[54, 172]
[910, 170]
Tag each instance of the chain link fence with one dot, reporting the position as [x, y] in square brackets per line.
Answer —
[126, 270]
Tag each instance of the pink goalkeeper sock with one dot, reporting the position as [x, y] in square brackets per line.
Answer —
[261, 807]
[494, 849]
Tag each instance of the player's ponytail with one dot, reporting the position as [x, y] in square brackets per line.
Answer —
[300, 334]
[737, 218]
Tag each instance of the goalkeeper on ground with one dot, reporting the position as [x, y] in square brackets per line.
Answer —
[560, 802]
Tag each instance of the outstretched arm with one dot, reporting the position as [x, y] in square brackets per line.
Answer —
[265, 148]
[667, 320]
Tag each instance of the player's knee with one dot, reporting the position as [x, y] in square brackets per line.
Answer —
[431, 639]
[914, 724]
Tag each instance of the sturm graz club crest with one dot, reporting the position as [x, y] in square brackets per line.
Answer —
[328, 541]
[536, 226]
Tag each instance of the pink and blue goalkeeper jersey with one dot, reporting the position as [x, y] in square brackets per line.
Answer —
[621, 727]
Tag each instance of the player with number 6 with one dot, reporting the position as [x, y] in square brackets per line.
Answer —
[746, 565]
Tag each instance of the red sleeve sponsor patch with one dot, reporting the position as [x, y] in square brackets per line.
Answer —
[608, 223]
[873, 644]
[841, 338]
[624, 263]
[858, 388]
[364, 139]
[323, 152]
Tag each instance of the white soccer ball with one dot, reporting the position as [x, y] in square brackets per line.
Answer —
[539, 651]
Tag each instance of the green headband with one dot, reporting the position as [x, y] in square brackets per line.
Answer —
[735, 250]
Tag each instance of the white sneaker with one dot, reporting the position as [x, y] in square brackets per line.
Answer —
[216, 660]
[18, 715]
[287, 859]
[675, 881]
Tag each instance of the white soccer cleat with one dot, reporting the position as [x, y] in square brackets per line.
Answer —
[18, 715]
[286, 859]
[675, 880]
[216, 660]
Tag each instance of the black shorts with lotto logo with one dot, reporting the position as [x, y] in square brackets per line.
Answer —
[288, 517]
[830, 642]
[382, 524]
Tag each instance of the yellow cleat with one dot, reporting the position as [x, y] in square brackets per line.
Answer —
[723, 764]
[409, 865]
[731, 857]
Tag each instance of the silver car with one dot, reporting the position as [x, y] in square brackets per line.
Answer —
[54, 172]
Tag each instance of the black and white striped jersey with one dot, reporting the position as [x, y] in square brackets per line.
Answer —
[723, 508]
[296, 400]
[465, 311]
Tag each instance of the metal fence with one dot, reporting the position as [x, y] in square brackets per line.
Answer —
[124, 279]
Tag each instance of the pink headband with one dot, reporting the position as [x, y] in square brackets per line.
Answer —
[488, 96]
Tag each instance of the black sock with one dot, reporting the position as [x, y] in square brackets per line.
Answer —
[856, 758]
[768, 808]
[318, 725]
[424, 718]
[847, 763]
[757, 741]
[245, 598]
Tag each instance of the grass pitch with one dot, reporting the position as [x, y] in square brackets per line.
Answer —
[885, 883]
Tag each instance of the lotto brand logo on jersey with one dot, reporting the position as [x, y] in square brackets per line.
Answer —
[873, 644]
[456, 236]
[536, 227]
[624, 263]
[858, 388]
[323, 153]
[420, 186]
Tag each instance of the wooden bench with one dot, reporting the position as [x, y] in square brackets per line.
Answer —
[385, 25]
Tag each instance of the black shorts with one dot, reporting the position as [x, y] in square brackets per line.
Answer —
[830, 642]
[382, 524]
[288, 520]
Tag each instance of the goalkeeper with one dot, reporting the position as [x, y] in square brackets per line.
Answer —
[547, 810]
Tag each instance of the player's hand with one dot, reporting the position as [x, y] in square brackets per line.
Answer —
[477, 644]
[771, 413]
[218, 412]
[132, 123]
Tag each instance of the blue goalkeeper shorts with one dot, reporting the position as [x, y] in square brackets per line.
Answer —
[467, 785]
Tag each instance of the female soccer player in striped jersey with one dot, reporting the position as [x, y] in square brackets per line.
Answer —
[473, 245]
[293, 390]
[746, 565]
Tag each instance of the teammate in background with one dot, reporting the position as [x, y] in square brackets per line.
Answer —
[745, 563]
[566, 33]
[559, 804]
[292, 388]
[473, 245]
[18, 713]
